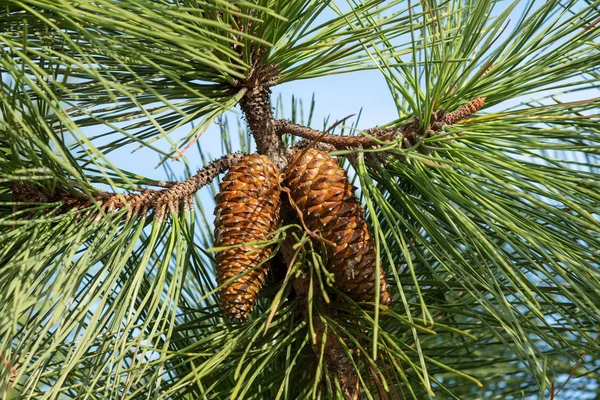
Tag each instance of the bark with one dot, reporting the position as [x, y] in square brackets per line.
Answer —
[256, 105]
[139, 204]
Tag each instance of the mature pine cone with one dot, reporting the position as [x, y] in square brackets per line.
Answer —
[321, 190]
[247, 211]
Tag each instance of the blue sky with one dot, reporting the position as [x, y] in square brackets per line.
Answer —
[336, 96]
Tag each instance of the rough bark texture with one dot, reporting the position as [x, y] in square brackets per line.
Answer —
[256, 105]
[409, 133]
[338, 142]
[137, 204]
[321, 190]
[247, 211]
[267, 132]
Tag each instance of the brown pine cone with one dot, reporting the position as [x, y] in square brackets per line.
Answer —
[247, 211]
[321, 190]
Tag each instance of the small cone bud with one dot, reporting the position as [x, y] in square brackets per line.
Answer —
[247, 211]
[321, 190]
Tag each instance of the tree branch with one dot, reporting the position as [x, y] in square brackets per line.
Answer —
[336, 359]
[137, 204]
[267, 132]
[256, 105]
[408, 133]
[339, 142]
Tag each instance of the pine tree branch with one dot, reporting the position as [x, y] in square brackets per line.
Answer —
[304, 143]
[268, 132]
[336, 359]
[408, 133]
[137, 204]
[163, 184]
[256, 105]
[339, 142]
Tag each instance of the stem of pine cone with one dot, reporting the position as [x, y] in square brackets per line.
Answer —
[336, 359]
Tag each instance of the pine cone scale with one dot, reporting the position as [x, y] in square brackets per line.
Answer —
[247, 211]
[322, 192]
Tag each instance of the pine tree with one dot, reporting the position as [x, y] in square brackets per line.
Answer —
[464, 265]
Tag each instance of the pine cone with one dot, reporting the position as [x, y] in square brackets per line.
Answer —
[247, 210]
[321, 190]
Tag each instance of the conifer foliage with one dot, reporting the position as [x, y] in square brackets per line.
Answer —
[451, 252]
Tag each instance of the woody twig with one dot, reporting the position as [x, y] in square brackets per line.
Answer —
[407, 134]
[137, 204]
